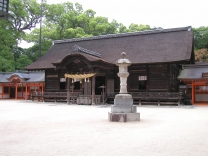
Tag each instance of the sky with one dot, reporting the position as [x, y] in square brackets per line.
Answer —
[156, 13]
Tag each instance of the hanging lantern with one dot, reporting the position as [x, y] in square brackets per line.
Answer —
[72, 80]
[4, 7]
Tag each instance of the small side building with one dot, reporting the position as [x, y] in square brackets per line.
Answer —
[20, 84]
[194, 81]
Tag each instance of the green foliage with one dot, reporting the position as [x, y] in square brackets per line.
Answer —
[32, 52]
[17, 52]
[7, 40]
[135, 27]
[22, 61]
[6, 59]
[200, 37]
[24, 15]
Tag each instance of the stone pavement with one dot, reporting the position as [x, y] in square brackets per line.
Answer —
[48, 129]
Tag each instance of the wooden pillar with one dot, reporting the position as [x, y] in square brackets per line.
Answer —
[83, 86]
[26, 92]
[42, 87]
[186, 88]
[73, 92]
[9, 90]
[168, 77]
[2, 91]
[93, 90]
[193, 91]
[68, 90]
[16, 91]
[22, 89]
[147, 85]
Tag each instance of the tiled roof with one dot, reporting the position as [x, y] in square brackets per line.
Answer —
[34, 76]
[194, 71]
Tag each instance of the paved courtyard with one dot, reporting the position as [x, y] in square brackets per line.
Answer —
[48, 129]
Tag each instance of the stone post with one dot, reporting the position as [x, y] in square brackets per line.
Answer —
[123, 109]
[123, 64]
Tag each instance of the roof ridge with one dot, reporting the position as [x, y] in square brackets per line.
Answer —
[86, 51]
[156, 31]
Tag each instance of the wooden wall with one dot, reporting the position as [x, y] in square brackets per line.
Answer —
[160, 78]
[51, 80]
[174, 82]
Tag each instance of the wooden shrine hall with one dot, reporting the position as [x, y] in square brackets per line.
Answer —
[156, 56]
[21, 84]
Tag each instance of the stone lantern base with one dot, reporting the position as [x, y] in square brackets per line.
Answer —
[123, 109]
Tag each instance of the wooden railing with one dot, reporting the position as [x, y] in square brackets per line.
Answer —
[140, 98]
[75, 97]
[54, 96]
[153, 97]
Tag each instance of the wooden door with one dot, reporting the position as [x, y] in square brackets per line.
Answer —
[87, 88]
[110, 86]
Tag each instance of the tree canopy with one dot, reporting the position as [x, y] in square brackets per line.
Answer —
[201, 43]
[24, 15]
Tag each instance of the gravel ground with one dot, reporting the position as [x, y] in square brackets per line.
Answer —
[48, 129]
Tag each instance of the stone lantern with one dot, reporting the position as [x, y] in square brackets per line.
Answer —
[4, 7]
[123, 109]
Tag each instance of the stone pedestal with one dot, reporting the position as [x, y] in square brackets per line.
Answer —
[123, 109]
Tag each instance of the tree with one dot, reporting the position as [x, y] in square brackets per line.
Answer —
[22, 61]
[201, 55]
[65, 21]
[24, 15]
[135, 27]
[17, 52]
[7, 40]
[6, 60]
[200, 37]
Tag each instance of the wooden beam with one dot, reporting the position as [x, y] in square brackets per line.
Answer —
[193, 90]
[26, 92]
[2, 91]
[68, 90]
[16, 91]
[147, 68]
[93, 90]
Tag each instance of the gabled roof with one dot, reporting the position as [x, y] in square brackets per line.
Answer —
[145, 47]
[33, 76]
[196, 71]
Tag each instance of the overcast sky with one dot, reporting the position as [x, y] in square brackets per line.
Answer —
[156, 13]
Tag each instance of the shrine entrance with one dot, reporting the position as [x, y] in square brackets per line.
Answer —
[99, 81]
[12, 92]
